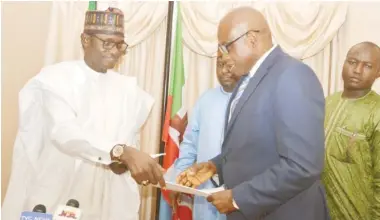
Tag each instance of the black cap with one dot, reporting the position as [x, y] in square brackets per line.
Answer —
[39, 208]
[73, 203]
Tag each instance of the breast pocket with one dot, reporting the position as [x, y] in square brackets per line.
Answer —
[351, 146]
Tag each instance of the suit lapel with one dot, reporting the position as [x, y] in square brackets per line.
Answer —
[252, 85]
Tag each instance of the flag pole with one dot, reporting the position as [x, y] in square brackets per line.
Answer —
[168, 46]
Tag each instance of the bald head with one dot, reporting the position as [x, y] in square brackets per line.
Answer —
[362, 66]
[240, 20]
[366, 46]
[243, 35]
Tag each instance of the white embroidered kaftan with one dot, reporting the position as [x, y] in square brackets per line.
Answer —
[70, 118]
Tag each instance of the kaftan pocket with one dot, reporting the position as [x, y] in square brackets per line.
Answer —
[352, 146]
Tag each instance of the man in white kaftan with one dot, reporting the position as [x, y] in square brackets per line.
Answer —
[71, 117]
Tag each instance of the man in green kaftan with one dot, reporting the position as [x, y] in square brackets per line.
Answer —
[352, 129]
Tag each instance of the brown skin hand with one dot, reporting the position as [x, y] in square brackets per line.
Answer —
[196, 174]
[143, 167]
[98, 58]
[360, 70]
[118, 168]
[223, 201]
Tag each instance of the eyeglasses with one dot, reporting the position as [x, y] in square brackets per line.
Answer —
[224, 47]
[108, 45]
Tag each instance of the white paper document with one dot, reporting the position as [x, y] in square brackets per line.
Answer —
[184, 189]
[188, 190]
[214, 190]
[170, 179]
[157, 155]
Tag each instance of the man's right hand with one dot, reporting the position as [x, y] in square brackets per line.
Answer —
[143, 167]
[197, 174]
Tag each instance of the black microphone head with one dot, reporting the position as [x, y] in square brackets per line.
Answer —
[73, 203]
[39, 208]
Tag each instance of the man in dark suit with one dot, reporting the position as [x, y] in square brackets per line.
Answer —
[273, 149]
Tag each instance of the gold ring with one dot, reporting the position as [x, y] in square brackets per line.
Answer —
[145, 182]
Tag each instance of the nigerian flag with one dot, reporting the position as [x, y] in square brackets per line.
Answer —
[175, 113]
[175, 122]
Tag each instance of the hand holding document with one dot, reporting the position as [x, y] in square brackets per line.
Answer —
[197, 174]
[188, 190]
[183, 189]
[170, 177]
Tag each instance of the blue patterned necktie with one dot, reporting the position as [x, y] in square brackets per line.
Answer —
[239, 93]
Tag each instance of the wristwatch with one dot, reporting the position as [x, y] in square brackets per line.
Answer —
[117, 152]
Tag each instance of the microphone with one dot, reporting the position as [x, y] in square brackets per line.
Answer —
[39, 208]
[73, 203]
[70, 211]
[38, 213]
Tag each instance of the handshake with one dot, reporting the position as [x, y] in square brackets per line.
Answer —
[194, 177]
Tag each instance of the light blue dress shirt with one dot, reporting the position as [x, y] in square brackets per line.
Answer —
[202, 141]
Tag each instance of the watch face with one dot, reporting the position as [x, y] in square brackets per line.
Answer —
[118, 151]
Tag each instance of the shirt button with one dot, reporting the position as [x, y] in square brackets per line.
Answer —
[99, 158]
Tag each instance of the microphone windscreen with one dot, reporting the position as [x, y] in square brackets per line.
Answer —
[73, 203]
[39, 208]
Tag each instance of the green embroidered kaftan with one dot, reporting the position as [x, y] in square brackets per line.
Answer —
[352, 162]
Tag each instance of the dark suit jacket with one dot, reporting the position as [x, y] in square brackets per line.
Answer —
[273, 150]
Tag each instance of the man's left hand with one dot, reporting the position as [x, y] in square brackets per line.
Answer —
[118, 168]
[223, 201]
